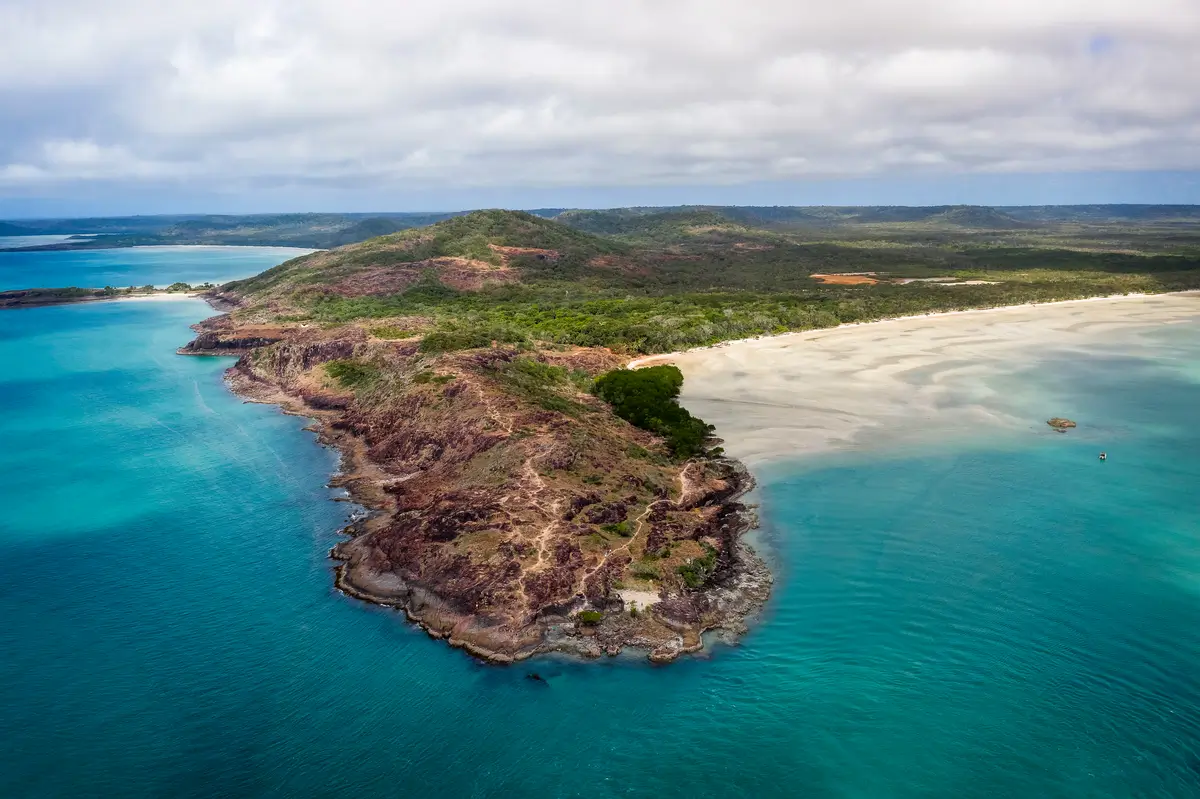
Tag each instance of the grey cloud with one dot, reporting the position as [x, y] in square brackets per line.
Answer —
[541, 93]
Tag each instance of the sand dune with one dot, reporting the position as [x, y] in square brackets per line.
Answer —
[863, 385]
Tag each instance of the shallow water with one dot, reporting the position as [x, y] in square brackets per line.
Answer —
[1007, 618]
[13, 242]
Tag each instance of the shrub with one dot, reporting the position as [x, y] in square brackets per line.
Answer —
[622, 529]
[352, 373]
[390, 332]
[179, 286]
[590, 617]
[644, 571]
[421, 378]
[539, 383]
[468, 339]
[696, 571]
[647, 398]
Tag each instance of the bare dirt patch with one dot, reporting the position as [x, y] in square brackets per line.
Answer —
[846, 280]
[511, 252]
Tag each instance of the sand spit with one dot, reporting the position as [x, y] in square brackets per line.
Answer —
[864, 385]
[154, 297]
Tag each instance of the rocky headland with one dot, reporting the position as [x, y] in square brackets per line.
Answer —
[511, 512]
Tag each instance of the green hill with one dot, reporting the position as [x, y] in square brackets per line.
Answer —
[494, 246]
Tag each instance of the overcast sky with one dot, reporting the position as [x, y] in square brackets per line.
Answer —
[144, 105]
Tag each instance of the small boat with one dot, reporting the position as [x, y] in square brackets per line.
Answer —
[1103, 456]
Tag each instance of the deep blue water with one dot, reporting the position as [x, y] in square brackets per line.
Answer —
[1013, 619]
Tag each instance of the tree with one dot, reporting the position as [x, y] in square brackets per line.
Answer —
[646, 398]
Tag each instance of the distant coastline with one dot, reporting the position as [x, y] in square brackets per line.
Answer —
[40, 298]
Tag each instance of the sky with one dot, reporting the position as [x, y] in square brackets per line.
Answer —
[140, 106]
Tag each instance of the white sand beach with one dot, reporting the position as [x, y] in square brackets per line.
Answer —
[155, 297]
[861, 385]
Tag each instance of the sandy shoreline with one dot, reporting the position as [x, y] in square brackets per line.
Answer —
[864, 385]
[154, 297]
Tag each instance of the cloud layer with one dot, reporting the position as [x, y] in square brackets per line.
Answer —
[242, 95]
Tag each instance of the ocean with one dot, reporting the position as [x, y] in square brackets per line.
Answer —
[996, 618]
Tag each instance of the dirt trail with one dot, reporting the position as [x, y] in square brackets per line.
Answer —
[684, 486]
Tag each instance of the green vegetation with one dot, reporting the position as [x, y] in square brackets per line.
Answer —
[422, 378]
[539, 383]
[352, 374]
[697, 571]
[648, 398]
[69, 292]
[589, 617]
[645, 571]
[623, 529]
[179, 287]
[469, 339]
[391, 332]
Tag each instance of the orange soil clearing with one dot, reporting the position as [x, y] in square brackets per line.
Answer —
[846, 280]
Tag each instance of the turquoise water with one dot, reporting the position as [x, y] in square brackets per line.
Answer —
[1013, 619]
[136, 266]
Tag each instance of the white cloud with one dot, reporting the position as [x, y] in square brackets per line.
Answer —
[540, 92]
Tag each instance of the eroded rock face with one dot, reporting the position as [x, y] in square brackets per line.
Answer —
[226, 344]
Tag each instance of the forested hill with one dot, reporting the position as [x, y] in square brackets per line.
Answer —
[665, 280]
[1130, 227]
